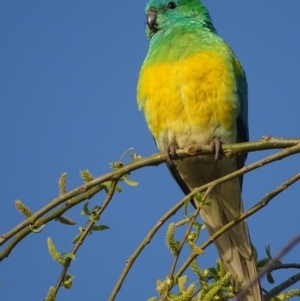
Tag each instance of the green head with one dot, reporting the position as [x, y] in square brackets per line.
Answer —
[163, 15]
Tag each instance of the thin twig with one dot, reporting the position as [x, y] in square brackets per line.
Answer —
[130, 261]
[286, 266]
[42, 221]
[269, 266]
[84, 235]
[282, 286]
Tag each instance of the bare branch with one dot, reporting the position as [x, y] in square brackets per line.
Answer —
[282, 286]
[286, 266]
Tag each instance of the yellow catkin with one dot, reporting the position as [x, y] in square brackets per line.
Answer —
[62, 184]
[23, 209]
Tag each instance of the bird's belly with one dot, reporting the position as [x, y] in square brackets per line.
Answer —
[193, 99]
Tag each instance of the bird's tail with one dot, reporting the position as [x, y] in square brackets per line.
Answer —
[245, 270]
[234, 246]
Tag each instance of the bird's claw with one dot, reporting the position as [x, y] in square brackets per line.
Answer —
[216, 147]
[171, 153]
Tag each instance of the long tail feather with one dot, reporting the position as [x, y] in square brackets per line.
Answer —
[234, 246]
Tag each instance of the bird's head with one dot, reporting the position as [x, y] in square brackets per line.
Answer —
[163, 14]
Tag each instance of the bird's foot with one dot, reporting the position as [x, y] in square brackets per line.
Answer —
[216, 147]
[171, 153]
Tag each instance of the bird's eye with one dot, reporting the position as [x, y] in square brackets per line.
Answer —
[171, 5]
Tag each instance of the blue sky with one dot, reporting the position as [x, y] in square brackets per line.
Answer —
[69, 71]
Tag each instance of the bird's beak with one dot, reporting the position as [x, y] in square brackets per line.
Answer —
[151, 19]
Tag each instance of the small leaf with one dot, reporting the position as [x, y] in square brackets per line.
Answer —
[78, 236]
[262, 262]
[198, 227]
[95, 209]
[106, 185]
[100, 227]
[213, 271]
[68, 255]
[192, 237]
[198, 197]
[268, 251]
[130, 182]
[85, 210]
[270, 278]
[118, 188]
[186, 205]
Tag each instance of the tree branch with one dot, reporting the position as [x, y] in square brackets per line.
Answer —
[286, 266]
[92, 187]
[53, 215]
[172, 211]
[265, 201]
[141, 246]
[229, 150]
[282, 286]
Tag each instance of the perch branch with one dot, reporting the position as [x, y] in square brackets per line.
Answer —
[229, 150]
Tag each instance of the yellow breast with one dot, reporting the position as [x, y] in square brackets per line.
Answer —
[199, 91]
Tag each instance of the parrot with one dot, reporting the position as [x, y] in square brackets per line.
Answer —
[193, 90]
